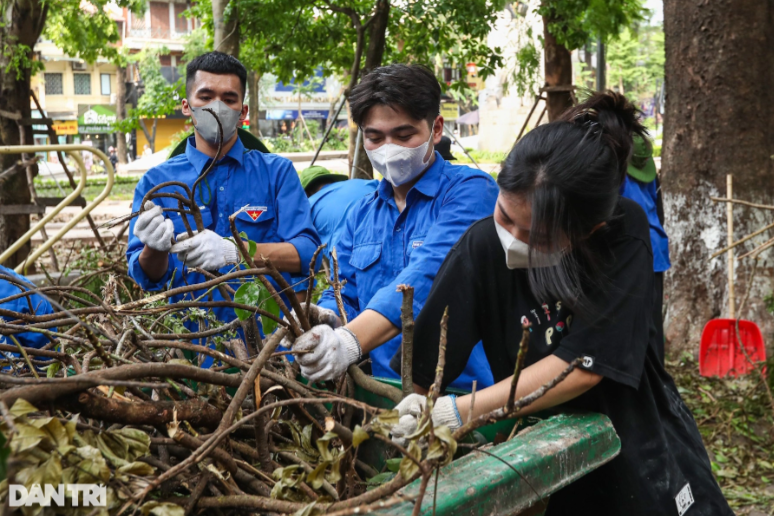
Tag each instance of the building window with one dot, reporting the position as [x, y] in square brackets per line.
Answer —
[104, 81]
[53, 83]
[181, 22]
[82, 83]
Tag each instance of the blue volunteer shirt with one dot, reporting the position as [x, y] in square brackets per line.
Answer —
[266, 184]
[381, 248]
[645, 194]
[332, 204]
[39, 307]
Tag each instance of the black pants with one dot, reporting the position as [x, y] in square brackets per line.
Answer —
[657, 315]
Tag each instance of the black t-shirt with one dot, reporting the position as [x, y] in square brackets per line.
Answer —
[661, 449]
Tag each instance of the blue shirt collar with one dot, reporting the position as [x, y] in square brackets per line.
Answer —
[200, 160]
[428, 184]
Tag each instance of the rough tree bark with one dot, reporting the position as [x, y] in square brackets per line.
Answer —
[22, 25]
[253, 102]
[226, 30]
[377, 33]
[121, 113]
[719, 120]
[558, 70]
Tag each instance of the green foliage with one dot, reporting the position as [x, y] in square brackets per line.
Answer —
[636, 60]
[574, 22]
[20, 61]
[736, 422]
[292, 47]
[86, 36]
[46, 450]
[480, 156]
[159, 99]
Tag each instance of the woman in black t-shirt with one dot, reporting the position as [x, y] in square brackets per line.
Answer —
[565, 253]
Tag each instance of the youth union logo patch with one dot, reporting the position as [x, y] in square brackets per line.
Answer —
[255, 211]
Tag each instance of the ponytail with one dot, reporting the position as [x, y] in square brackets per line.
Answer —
[571, 171]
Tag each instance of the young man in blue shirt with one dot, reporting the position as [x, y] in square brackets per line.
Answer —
[402, 232]
[263, 188]
[642, 187]
[332, 197]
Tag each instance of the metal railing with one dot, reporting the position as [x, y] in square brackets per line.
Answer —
[70, 150]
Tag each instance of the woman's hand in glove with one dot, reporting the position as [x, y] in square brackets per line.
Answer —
[410, 409]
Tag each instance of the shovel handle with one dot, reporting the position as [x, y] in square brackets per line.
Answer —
[730, 219]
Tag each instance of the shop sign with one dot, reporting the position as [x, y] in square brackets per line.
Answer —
[65, 127]
[450, 111]
[96, 119]
[281, 114]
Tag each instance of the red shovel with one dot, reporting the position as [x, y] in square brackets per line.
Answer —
[720, 353]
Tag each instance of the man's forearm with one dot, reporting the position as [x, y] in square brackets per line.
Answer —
[372, 329]
[154, 263]
[284, 256]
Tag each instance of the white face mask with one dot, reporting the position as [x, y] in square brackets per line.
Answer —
[517, 252]
[398, 164]
[206, 125]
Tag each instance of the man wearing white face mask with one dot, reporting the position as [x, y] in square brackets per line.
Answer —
[263, 188]
[402, 232]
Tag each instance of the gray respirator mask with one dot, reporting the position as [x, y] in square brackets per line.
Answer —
[207, 126]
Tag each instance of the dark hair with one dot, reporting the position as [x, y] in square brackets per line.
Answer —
[217, 63]
[413, 88]
[571, 171]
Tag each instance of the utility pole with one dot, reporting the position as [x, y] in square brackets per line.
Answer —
[601, 66]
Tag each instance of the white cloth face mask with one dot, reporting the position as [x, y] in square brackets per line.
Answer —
[206, 125]
[517, 252]
[398, 164]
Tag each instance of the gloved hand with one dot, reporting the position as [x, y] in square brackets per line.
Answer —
[410, 409]
[206, 250]
[153, 229]
[331, 352]
[317, 315]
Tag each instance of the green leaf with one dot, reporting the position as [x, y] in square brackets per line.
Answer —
[381, 478]
[255, 294]
[394, 464]
[408, 468]
[388, 417]
[26, 437]
[22, 407]
[5, 451]
[322, 446]
[141, 469]
[161, 509]
[52, 369]
[317, 475]
[358, 436]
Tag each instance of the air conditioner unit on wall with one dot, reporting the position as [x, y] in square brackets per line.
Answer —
[79, 66]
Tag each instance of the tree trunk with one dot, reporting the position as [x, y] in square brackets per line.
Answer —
[22, 25]
[226, 37]
[253, 102]
[558, 69]
[377, 33]
[719, 120]
[121, 113]
[589, 66]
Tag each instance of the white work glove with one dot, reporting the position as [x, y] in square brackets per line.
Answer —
[331, 352]
[206, 250]
[410, 409]
[153, 229]
[317, 315]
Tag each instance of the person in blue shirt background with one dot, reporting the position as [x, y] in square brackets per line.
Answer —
[40, 306]
[642, 187]
[402, 232]
[263, 188]
[331, 197]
